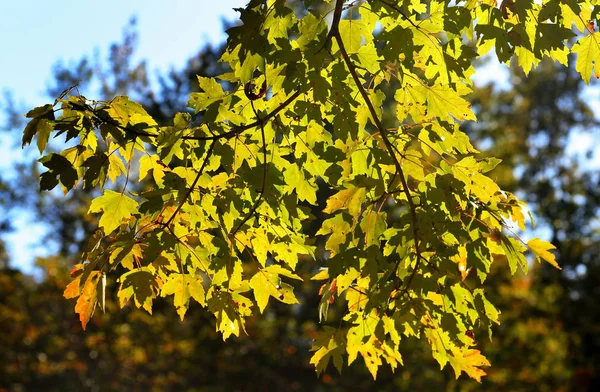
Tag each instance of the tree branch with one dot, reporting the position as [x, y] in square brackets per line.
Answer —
[189, 192]
[264, 181]
[226, 135]
[335, 23]
[258, 122]
[390, 148]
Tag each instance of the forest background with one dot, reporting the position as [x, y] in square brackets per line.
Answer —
[541, 126]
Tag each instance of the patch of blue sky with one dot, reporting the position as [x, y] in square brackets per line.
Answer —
[37, 34]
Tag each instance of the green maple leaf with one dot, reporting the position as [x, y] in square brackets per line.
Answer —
[60, 169]
[499, 36]
[127, 112]
[44, 128]
[440, 342]
[153, 163]
[115, 207]
[330, 344]
[513, 250]
[305, 189]
[444, 101]
[115, 167]
[96, 170]
[462, 298]
[126, 255]
[352, 33]
[140, 284]
[339, 228]
[229, 309]
[373, 225]
[279, 21]
[551, 36]
[211, 92]
[483, 305]
[41, 124]
[311, 27]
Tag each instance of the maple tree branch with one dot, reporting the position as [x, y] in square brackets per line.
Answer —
[335, 23]
[264, 181]
[189, 192]
[363, 92]
[226, 135]
[258, 122]
[110, 121]
[390, 148]
[410, 278]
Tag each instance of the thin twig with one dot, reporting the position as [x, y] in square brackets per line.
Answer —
[208, 154]
[398, 10]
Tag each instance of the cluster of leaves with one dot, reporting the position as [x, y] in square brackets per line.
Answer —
[414, 221]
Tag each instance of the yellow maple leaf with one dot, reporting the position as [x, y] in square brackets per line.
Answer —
[588, 55]
[468, 361]
[541, 250]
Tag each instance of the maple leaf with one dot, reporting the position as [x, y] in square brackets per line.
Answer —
[115, 207]
[305, 189]
[228, 310]
[212, 92]
[184, 287]
[588, 56]
[267, 283]
[330, 344]
[153, 163]
[140, 284]
[339, 228]
[468, 361]
[87, 296]
[350, 198]
[541, 250]
[41, 122]
[128, 112]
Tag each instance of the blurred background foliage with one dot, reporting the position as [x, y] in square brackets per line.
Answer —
[549, 339]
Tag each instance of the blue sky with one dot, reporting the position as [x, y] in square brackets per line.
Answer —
[34, 35]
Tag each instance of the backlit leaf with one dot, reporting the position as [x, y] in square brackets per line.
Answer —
[541, 249]
[139, 284]
[469, 361]
[115, 207]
